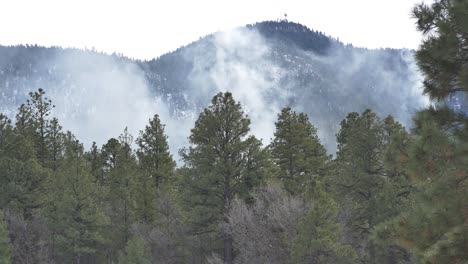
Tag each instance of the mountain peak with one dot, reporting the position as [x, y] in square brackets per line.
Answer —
[294, 33]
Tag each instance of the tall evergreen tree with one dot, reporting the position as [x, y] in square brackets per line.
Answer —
[122, 172]
[153, 153]
[218, 166]
[22, 178]
[34, 145]
[434, 228]
[443, 54]
[110, 154]
[24, 124]
[77, 219]
[95, 161]
[297, 151]
[370, 188]
[6, 137]
[40, 109]
[157, 170]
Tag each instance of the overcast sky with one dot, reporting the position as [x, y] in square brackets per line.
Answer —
[145, 29]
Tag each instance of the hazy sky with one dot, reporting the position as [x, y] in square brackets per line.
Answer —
[145, 29]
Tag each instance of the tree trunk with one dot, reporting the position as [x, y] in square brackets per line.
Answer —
[227, 207]
[227, 249]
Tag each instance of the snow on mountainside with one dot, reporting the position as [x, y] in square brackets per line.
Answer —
[267, 66]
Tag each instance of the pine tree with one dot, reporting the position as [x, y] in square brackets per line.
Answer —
[40, 109]
[5, 245]
[318, 232]
[393, 197]
[54, 143]
[22, 178]
[218, 166]
[370, 187]
[157, 170]
[122, 173]
[443, 54]
[5, 134]
[110, 153]
[24, 124]
[297, 151]
[145, 199]
[26, 155]
[95, 161]
[23, 187]
[76, 218]
[135, 252]
[434, 228]
[153, 153]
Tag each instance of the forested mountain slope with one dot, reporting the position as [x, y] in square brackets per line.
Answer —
[268, 66]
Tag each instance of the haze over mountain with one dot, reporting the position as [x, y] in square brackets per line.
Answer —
[267, 66]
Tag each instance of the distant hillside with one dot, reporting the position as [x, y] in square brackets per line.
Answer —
[267, 66]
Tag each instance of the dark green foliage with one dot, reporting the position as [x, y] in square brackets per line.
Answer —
[443, 54]
[145, 199]
[95, 162]
[76, 218]
[153, 153]
[24, 123]
[389, 196]
[295, 34]
[297, 151]
[5, 245]
[22, 185]
[222, 163]
[157, 170]
[318, 233]
[54, 141]
[369, 175]
[39, 109]
[121, 169]
[135, 253]
[5, 133]
[110, 156]
[435, 226]
[24, 155]
[113, 204]
[22, 179]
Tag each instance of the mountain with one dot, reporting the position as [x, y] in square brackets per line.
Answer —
[267, 66]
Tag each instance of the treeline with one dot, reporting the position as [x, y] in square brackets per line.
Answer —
[232, 198]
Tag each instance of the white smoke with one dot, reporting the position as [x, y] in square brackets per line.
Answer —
[102, 96]
[99, 95]
[241, 66]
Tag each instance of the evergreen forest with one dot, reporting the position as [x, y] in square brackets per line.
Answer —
[390, 194]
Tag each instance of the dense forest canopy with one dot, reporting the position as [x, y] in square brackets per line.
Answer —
[389, 194]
